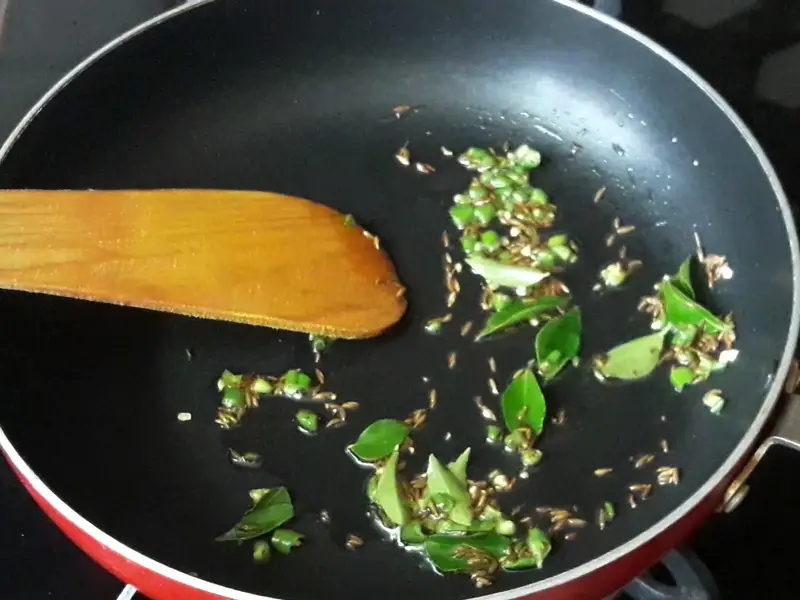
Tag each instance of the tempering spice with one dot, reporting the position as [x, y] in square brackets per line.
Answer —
[507, 239]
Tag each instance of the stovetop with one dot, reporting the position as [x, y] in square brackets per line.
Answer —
[748, 49]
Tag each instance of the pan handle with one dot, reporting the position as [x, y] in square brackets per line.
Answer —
[785, 433]
[692, 580]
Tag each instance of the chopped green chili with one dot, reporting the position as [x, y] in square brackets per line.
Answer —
[261, 551]
[462, 215]
[233, 398]
[505, 527]
[319, 343]
[493, 434]
[307, 421]
[531, 457]
[295, 383]
[261, 386]
[284, 540]
[490, 241]
[680, 377]
[229, 380]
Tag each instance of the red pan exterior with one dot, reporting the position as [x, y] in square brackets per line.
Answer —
[597, 585]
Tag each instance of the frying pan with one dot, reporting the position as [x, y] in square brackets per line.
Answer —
[297, 97]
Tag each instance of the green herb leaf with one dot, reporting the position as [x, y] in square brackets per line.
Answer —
[633, 360]
[518, 311]
[412, 533]
[284, 540]
[681, 310]
[387, 492]
[443, 503]
[372, 488]
[558, 342]
[519, 559]
[683, 279]
[683, 336]
[272, 509]
[498, 273]
[379, 440]
[447, 552]
[459, 466]
[442, 481]
[539, 545]
[523, 403]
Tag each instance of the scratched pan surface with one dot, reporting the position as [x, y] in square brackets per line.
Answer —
[297, 97]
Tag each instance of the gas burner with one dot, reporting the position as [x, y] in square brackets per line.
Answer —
[679, 576]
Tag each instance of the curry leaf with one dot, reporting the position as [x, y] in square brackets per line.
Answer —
[523, 403]
[683, 279]
[446, 552]
[387, 492]
[412, 533]
[442, 482]
[459, 466]
[558, 342]
[680, 310]
[498, 273]
[633, 360]
[273, 509]
[518, 311]
[379, 440]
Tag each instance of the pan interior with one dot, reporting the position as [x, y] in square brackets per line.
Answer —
[297, 97]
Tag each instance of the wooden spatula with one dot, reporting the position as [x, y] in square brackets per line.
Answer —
[252, 257]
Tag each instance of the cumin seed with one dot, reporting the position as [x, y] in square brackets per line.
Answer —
[451, 360]
[642, 460]
[353, 542]
[598, 196]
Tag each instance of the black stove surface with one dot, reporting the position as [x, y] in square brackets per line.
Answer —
[748, 49]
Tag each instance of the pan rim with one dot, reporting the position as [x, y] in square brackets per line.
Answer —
[746, 442]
